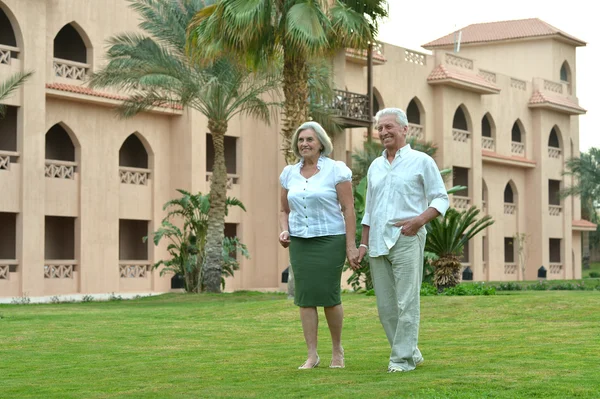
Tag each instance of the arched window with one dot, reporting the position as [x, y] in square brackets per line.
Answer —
[413, 113]
[377, 101]
[565, 72]
[516, 135]
[133, 154]
[509, 197]
[553, 139]
[8, 39]
[488, 132]
[71, 54]
[486, 127]
[484, 195]
[460, 120]
[60, 153]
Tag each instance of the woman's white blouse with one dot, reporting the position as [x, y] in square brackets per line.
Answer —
[314, 207]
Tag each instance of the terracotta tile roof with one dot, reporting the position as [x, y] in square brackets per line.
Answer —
[492, 154]
[585, 224]
[505, 30]
[441, 72]
[90, 92]
[539, 98]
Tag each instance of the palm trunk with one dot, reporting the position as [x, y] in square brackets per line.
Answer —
[216, 215]
[447, 272]
[295, 106]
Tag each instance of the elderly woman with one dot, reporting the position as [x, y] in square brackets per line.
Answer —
[318, 224]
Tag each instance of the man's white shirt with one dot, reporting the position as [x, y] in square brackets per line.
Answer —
[400, 191]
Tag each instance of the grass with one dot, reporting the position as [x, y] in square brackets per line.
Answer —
[248, 345]
[594, 267]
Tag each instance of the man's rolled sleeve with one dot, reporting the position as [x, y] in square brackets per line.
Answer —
[437, 196]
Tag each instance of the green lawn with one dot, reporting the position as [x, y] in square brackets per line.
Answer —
[248, 345]
[594, 267]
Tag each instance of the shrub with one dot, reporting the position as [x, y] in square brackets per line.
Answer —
[595, 274]
[428, 289]
[470, 289]
[509, 286]
[539, 286]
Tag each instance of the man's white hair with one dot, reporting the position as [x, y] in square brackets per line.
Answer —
[397, 112]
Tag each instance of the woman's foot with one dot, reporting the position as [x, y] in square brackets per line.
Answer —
[337, 360]
[310, 364]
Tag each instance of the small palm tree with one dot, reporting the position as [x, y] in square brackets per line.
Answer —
[290, 32]
[446, 237]
[10, 85]
[157, 71]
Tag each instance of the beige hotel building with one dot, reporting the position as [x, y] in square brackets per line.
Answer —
[79, 188]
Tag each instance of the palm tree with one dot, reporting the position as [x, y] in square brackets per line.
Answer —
[586, 171]
[291, 32]
[157, 71]
[446, 237]
[10, 85]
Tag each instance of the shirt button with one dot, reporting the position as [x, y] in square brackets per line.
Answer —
[306, 217]
[304, 207]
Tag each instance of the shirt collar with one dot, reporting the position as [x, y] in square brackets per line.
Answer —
[400, 153]
[319, 162]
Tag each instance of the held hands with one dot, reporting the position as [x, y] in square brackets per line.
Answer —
[362, 251]
[284, 238]
[410, 227]
[353, 255]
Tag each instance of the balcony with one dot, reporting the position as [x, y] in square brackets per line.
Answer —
[488, 143]
[461, 136]
[135, 193]
[415, 131]
[351, 108]
[510, 209]
[61, 276]
[510, 268]
[135, 275]
[7, 54]
[517, 148]
[554, 152]
[360, 56]
[71, 70]
[9, 277]
[461, 203]
[556, 268]
[554, 210]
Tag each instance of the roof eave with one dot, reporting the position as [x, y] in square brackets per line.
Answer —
[558, 108]
[465, 85]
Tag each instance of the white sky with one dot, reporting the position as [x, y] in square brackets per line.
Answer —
[413, 23]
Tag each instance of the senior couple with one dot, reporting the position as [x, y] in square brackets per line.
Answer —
[405, 191]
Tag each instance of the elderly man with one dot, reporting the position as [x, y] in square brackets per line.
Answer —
[405, 191]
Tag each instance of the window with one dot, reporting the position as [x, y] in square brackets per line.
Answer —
[461, 178]
[133, 154]
[554, 192]
[413, 113]
[508, 195]
[68, 45]
[555, 250]
[516, 135]
[509, 250]
[486, 127]
[565, 72]
[460, 120]
[553, 139]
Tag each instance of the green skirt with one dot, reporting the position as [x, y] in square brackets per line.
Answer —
[317, 264]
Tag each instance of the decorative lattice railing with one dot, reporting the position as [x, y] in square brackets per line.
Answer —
[134, 269]
[7, 53]
[487, 75]
[488, 143]
[556, 268]
[460, 62]
[554, 152]
[510, 209]
[60, 169]
[517, 148]
[6, 158]
[136, 176]
[510, 268]
[415, 58]
[70, 69]
[59, 269]
[554, 210]
[351, 105]
[6, 267]
[461, 135]
[518, 84]
[415, 131]
[461, 203]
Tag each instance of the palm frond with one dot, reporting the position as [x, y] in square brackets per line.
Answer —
[10, 85]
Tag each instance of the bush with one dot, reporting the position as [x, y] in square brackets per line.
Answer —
[595, 274]
[567, 287]
[470, 289]
[428, 289]
[510, 286]
[539, 286]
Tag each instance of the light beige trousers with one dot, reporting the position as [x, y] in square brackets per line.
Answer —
[397, 282]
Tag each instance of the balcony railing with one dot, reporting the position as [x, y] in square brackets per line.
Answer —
[6, 267]
[461, 135]
[459, 202]
[351, 105]
[7, 53]
[517, 148]
[231, 179]
[60, 169]
[70, 69]
[6, 158]
[556, 268]
[415, 131]
[134, 268]
[554, 152]
[554, 210]
[509, 209]
[510, 268]
[60, 269]
[488, 143]
[136, 176]
[415, 58]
